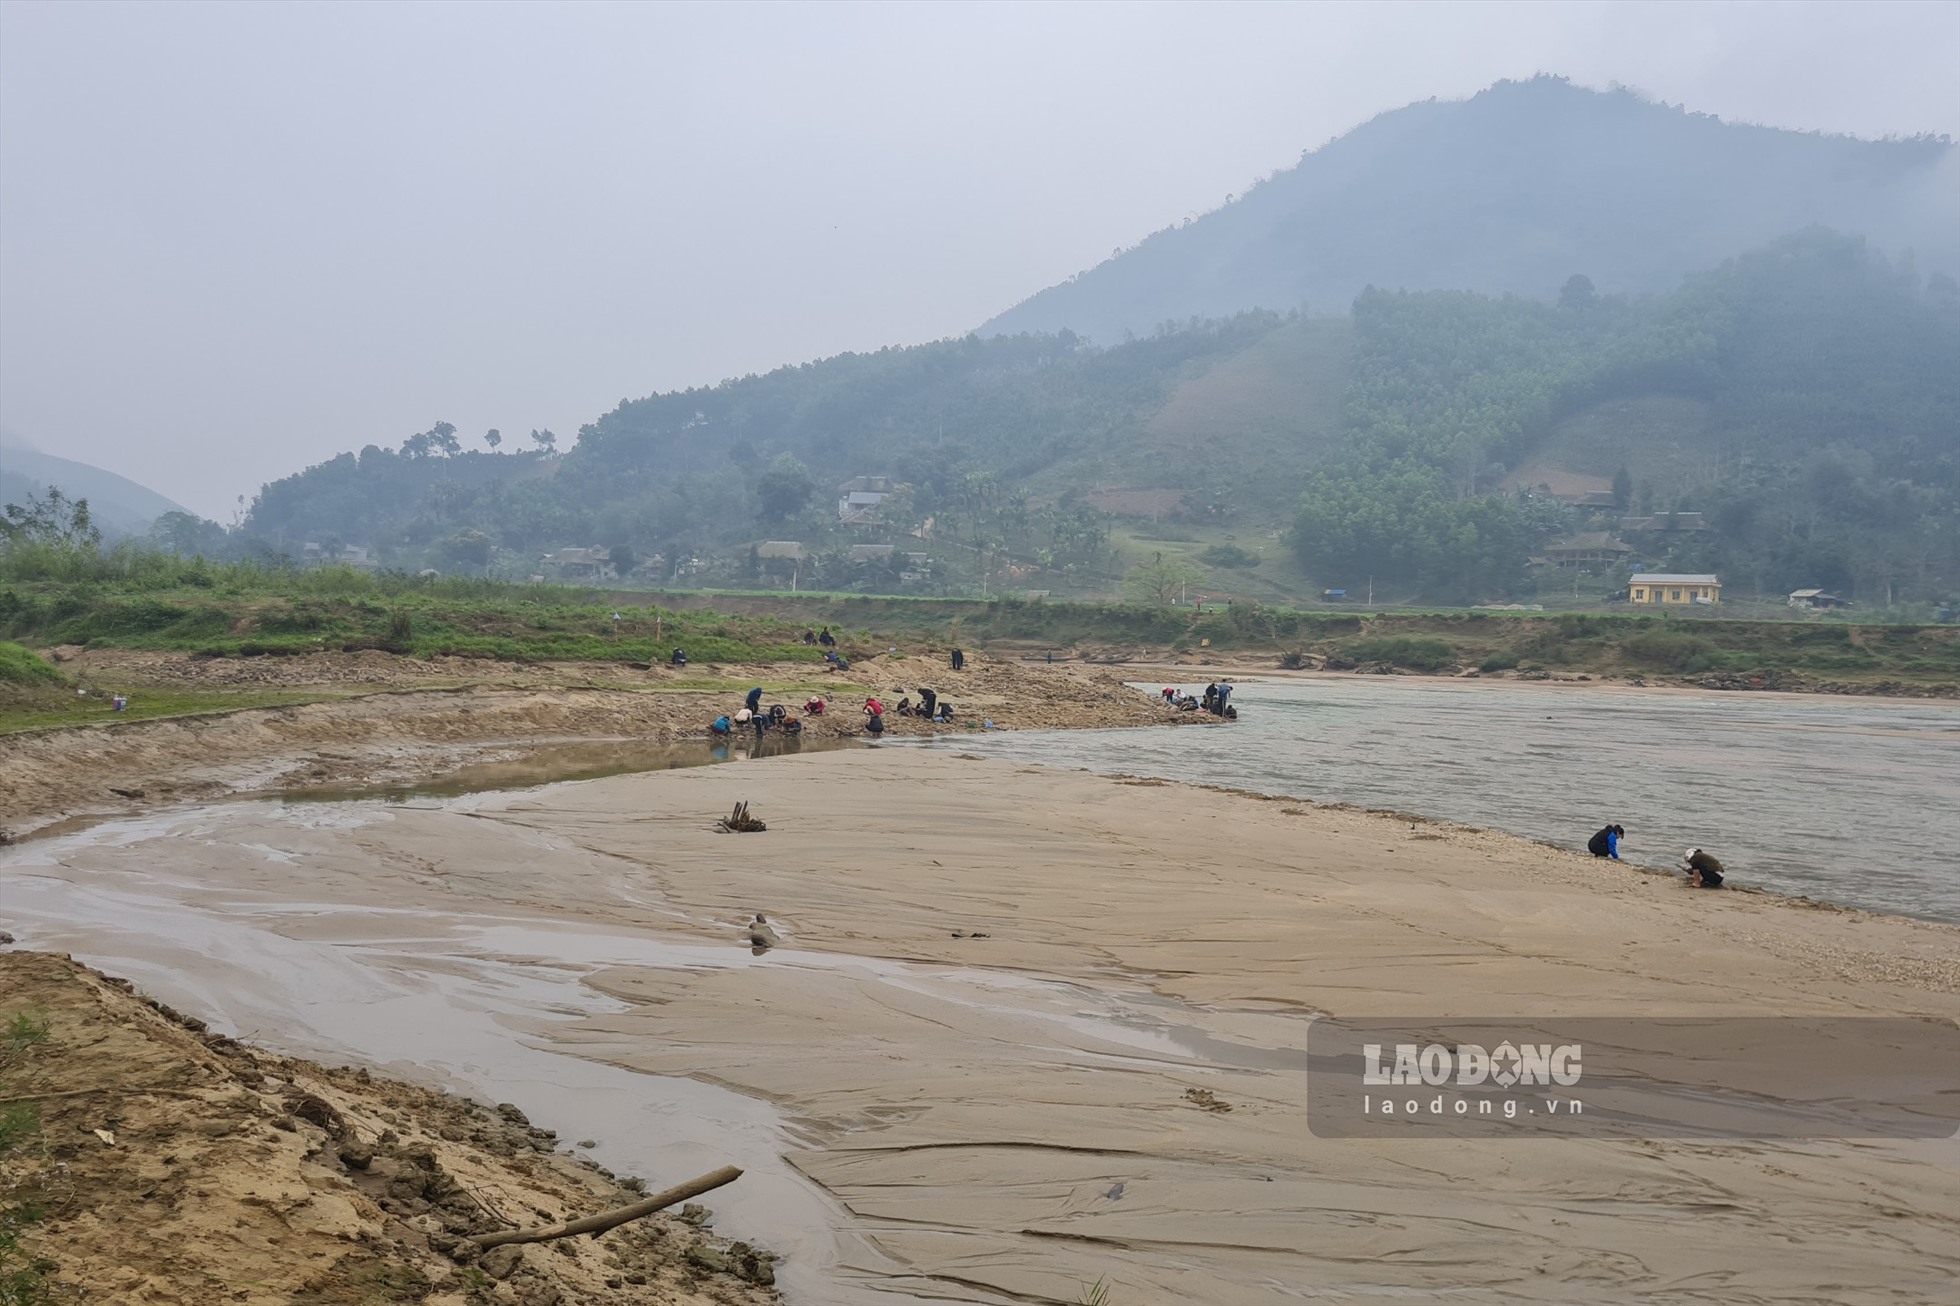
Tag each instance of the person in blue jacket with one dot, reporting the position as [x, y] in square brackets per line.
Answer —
[1606, 843]
[754, 703]
[721, 726]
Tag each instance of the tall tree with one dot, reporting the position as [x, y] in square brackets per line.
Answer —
[784, 488]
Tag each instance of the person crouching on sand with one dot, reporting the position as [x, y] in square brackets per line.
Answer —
[720, 728]
[1703, 871]
[813, 706]
[1607, 842]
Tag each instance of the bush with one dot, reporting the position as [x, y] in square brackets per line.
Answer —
[1403, 651]
[1667, 651]
[1228, 555]
[1498, 662]
[19, 666]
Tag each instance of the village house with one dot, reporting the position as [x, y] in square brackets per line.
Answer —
[860, 497]
[1665, 590]
[345, 555]
[787, 550]
[594, 563]
[1816, 600]
[1587, 550]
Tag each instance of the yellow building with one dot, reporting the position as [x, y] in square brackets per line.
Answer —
[1667, 591]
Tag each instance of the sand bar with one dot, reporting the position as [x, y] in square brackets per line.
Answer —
[1012, 1118]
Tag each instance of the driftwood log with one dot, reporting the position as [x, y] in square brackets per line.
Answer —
[597, 1224]
[739, 821]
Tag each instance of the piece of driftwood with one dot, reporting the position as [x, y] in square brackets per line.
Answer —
[596, 1224]
[739, 821]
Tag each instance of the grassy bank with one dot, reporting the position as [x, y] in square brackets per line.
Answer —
[147, 601]
[35, 696]
[1693, 648]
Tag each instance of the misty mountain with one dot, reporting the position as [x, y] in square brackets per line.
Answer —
[1512, 191]
[1804, 399]
[119, 505]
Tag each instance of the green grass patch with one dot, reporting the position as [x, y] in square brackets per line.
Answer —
[20, 667]
[59, 707]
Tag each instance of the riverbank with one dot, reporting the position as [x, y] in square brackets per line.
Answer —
[179, 1167]
[1032, 1029]
[376, 719]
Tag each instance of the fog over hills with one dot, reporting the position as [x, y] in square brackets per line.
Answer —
[1512, 191]
[120, 506]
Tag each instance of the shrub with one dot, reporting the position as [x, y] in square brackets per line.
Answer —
[1228, 555]
[1667, 650]
[1498, 662]
[1403, 651]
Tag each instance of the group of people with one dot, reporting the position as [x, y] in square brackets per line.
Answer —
[928, 708]
[1216, 700]
[1701, 867]
[776, 717]
[752, 715]
[826, 639]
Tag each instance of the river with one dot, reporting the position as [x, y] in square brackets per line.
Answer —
[1856, 801]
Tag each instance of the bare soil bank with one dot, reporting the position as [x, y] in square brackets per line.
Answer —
[183, 1168]
[394, 719]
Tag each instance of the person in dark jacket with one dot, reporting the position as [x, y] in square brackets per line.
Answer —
[1704, 872]
[1606, 843]
[928, 704]
[754, 700]
[827, 639]
[959, 660]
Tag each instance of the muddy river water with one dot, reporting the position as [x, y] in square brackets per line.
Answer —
[1854, 801]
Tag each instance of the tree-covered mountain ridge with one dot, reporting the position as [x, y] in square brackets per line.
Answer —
[1804, 398]
[1508, 192]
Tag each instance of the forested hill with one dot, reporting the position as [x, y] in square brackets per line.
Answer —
[1804, 399]
[1512, 191]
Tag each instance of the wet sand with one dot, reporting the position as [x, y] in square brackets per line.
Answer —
[1013, 1117]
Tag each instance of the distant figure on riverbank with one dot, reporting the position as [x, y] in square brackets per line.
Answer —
[905, 707]
[754, 701]
[721, 727]
[813, 706]
[875, 723]
[946, 714]
[809, 637]
[1606, 843]
[680, 657]
[1703, 871]
[928, 704]
[827, 639]
[959, 660]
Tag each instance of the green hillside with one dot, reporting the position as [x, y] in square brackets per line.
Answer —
[1803, 400]
[1511, 191]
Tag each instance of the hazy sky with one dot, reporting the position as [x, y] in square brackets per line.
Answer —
[238, 238]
